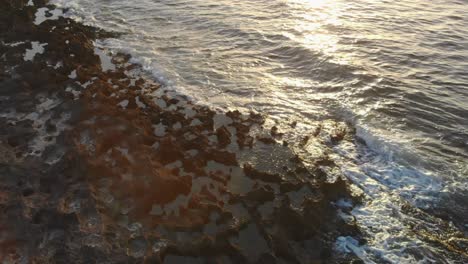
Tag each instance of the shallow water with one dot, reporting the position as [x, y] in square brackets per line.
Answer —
[394, 71]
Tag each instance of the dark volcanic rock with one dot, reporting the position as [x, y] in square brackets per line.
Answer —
[96, 168]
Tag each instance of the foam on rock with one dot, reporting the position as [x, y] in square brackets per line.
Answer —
[45, 13]
[37, 48]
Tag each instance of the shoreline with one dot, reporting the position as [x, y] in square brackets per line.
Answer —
[108, 166]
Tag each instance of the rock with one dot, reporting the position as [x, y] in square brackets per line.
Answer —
[224, 137]
[106, 188]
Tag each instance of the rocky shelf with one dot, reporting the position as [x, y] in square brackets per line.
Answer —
[99, 164]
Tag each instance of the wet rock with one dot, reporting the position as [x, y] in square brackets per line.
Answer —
[261, 195]
[224, 137]
[266, 140]
[118, 192]
[250, 171]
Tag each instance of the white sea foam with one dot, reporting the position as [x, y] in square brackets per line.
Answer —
[72, 75]
[123, 104]
[41, 15]
[13, 44]
[106, 60]
[139, 103]
[387, 185]
[76, 94]
[350, 245]
[37, 48]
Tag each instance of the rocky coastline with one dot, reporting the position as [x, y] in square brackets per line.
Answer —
[99, 164]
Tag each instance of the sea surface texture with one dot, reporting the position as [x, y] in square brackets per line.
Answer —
[396, 72]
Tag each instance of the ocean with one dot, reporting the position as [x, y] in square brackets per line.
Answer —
[394, 72]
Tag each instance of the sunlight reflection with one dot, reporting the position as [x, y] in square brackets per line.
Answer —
[314, 26]
[314, 3]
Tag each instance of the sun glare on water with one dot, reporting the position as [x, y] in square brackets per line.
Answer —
[314, 3]
[314, 23]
